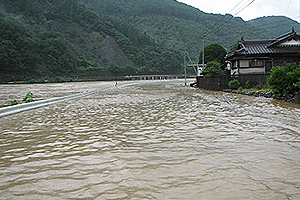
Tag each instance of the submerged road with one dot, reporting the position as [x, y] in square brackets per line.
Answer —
[150, 141]
[9, 110]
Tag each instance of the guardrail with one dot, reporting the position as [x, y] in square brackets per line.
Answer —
[41, 103]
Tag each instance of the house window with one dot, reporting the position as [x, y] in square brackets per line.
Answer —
[257, 63]
[244, 63]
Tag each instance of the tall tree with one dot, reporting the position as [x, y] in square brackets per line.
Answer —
[213, 52]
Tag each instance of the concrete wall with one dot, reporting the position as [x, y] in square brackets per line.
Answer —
[213, 83]
[221, 82]
[297, 98]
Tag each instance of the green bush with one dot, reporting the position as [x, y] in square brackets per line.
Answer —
[28, 98]
[58, 79]
[234, 84]
[247, 85]
[12, 103]
[285, 80]
[212, 69]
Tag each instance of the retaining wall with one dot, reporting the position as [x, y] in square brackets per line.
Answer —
[221, 82]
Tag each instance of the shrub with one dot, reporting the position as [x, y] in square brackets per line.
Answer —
[12, 103]
[285, 80]
[234, 84]
[212, 69]
[28, 98]
[57, 79]
[247, 85]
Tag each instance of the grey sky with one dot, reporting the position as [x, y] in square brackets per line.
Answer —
[259, 8]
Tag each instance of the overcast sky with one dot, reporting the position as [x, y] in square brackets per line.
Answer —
[259, 8]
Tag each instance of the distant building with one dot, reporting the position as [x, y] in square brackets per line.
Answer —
[259, 56]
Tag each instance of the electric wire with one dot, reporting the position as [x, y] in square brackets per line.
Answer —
[235, 15]
[244, 7]
[224, 20]
[265, 27]
[236, 6]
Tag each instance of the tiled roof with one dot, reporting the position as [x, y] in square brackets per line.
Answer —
[255, 47]
[262, 47]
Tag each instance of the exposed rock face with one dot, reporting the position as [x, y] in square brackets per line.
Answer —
[111, 52]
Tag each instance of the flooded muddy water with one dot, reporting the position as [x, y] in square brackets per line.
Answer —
[151, 141]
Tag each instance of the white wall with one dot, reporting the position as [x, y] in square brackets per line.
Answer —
[252, 70]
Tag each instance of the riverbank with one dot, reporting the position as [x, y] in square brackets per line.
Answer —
[292, 98]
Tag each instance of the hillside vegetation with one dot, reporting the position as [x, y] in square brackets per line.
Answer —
[179, 26]
[275, 25]
[50, 38]
[44, 39]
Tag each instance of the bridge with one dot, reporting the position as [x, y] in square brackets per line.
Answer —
[153, 77]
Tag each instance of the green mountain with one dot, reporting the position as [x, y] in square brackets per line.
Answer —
[275, 25]
[51, 38]
[179, 26]
[92, 38]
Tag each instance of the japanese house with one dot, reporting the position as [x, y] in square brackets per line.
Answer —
[259, 56]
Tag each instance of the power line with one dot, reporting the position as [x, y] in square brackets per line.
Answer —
[255, 32]
[265, 26]
[244, 7]
[221, 22]
[282, 20]
[222, 19]
[236, 6]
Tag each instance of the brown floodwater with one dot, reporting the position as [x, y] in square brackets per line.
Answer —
[149, 141]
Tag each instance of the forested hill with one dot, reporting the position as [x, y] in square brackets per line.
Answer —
[91, 38]
[63, 38]
[179, 26]
[275, 25]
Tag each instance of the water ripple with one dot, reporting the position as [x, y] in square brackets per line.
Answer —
[153, 142]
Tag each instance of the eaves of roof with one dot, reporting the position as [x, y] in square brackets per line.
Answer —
[284, 38]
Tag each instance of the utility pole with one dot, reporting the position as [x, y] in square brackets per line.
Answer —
[202, 53]
[184, 64]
